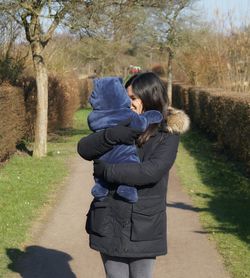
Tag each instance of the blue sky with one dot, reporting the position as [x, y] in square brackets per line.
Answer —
[238, 9]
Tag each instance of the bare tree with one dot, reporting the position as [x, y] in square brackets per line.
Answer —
[106, 32]
[167, 17]
[40, 18]
[9, 30]
[12, 57]
[35, 16]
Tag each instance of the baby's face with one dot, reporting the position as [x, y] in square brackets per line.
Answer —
[136, 103]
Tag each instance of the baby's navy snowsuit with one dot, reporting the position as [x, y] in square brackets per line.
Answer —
[111, 105]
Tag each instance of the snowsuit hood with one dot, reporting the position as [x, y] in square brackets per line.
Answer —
[110, 103]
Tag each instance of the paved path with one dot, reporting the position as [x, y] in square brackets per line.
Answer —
[60, 248]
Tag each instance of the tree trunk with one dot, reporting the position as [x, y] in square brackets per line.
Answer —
[40, 145]
[170, 76]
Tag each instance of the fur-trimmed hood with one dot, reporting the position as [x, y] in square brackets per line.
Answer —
[177, 121]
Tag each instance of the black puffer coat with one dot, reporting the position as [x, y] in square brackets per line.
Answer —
[118, 228]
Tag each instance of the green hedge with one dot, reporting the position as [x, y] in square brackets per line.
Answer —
[223, 115]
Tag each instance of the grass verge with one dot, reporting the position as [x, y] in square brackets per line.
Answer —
[221, 194]
[28, 184]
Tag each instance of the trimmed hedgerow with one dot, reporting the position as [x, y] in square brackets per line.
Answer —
[18, 109]
[224, 116]
[12, 119]
[63, 101]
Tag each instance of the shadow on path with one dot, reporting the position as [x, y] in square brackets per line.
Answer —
[181, 205]
[40, 262]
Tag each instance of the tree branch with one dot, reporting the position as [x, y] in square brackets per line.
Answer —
[28, 7]
[26, 25]
[57, 18]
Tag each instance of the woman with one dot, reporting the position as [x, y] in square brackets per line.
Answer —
[130, 236]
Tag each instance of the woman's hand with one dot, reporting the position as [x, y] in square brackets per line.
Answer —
[99, 168]
[121, 134]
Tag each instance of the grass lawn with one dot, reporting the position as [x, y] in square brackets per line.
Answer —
[221, 194]
[28, 184]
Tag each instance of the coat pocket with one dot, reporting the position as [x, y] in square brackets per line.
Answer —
[98, 219]
[148, 219]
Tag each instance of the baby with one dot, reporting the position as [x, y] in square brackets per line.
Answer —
[111, 105]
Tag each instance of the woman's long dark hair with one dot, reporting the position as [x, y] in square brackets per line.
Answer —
[152, 92]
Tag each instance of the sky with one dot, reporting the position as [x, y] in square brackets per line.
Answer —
[238, 9]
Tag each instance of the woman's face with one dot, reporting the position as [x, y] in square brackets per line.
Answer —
[136, 103]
